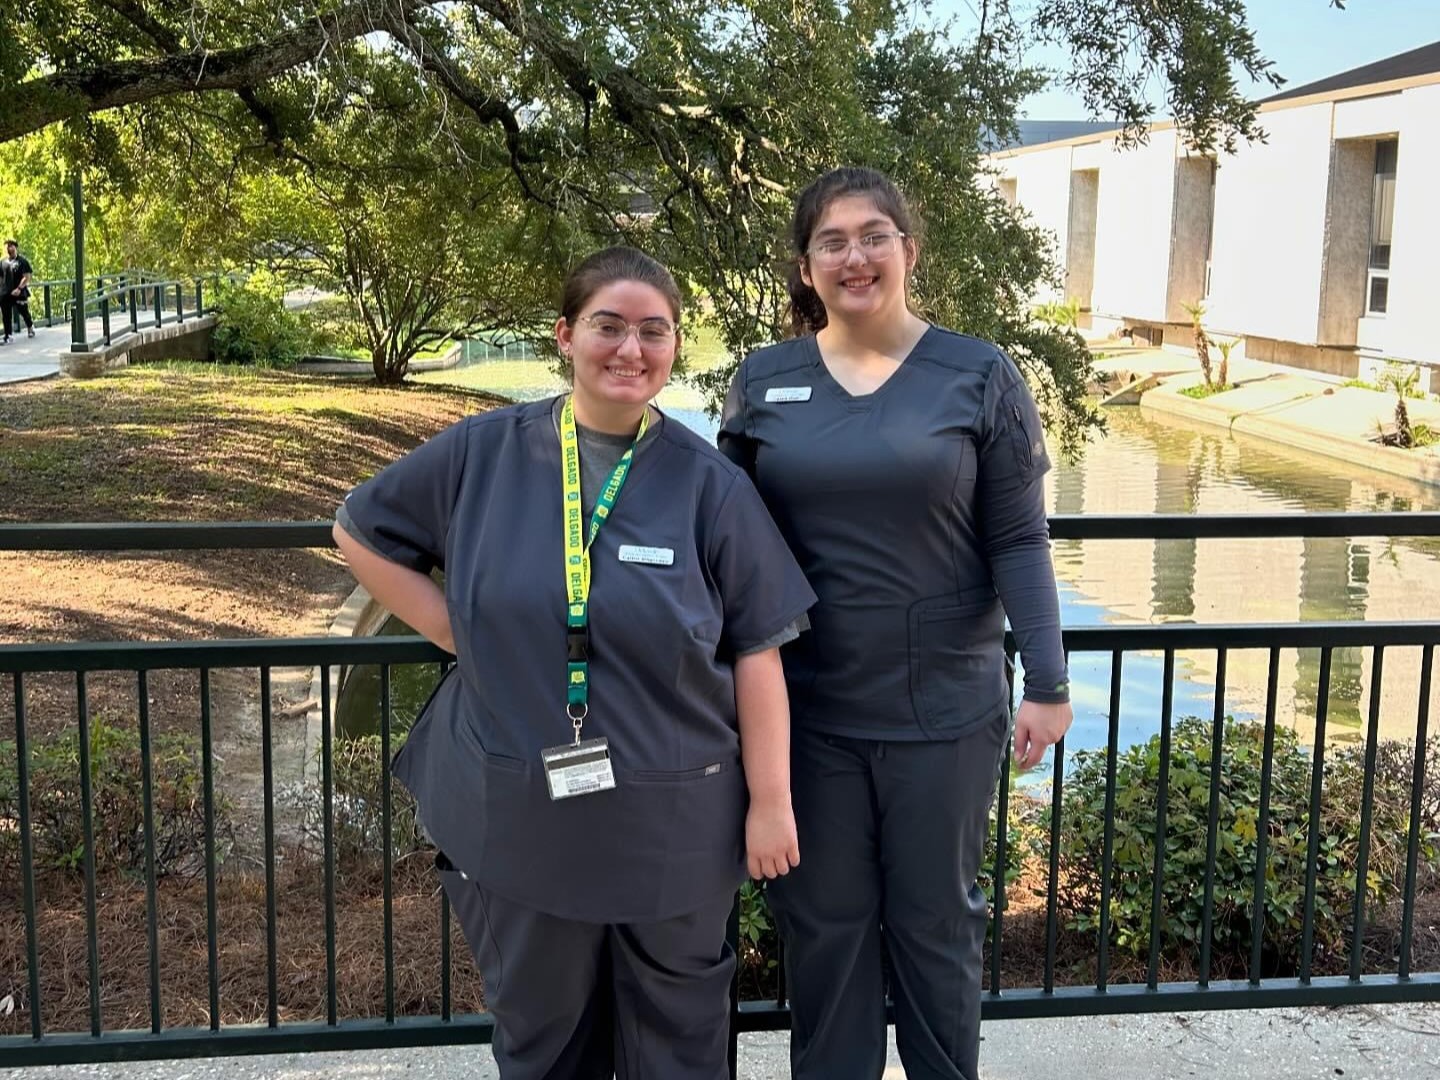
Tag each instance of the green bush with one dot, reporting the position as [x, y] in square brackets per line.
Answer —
[358, 824]
[255, 328]
[56, 824]
[1182, 898]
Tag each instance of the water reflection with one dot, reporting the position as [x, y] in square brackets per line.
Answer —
[1142, 467]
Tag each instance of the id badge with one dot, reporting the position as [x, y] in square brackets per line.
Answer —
[582, 769]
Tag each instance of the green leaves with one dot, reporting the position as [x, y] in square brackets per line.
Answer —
[1287, 839]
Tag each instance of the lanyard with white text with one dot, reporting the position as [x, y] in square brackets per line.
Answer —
[577, 557]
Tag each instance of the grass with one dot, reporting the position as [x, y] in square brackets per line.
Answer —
[188, 441]
[1201, 391]
[1362, 384]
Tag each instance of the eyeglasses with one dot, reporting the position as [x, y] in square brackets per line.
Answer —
[612, 331]
[876, 247]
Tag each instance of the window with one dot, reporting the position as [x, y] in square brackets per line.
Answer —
[1382, 221]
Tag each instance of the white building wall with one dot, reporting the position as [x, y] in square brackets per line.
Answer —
[1269, 240]
[1042, 189]
[1408, 330]
[1133, 224]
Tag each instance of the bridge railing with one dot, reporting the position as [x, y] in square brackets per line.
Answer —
[1053, 994]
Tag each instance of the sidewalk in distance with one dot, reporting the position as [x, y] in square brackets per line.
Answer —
[1279, 1044]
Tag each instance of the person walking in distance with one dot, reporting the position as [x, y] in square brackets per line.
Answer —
[15, 291]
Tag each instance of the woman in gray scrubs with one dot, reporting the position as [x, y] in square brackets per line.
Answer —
[610, 752]
[903, 464]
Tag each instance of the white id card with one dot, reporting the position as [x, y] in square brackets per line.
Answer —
[581, 769]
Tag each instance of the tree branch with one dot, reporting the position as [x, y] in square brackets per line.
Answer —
[36, 103]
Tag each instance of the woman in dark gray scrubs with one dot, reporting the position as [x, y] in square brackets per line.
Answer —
[903, 464]
[611, 750]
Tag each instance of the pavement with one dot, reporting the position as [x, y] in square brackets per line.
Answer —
[1360, 1041]
[38, 357]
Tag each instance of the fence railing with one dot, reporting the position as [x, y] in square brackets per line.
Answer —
[1053, 994]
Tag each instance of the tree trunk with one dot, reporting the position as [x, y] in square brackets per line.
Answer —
[1404, 436]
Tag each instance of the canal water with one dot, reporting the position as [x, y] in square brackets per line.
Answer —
[1145, 466]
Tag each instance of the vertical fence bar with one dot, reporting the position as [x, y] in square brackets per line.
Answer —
[1002, 837]
[87, 817]
[1367, 808]
[27, 858]
[199, 296]
[179, 302]
[444, 954]
[387, 854]
[1417, 791]
[1162, 805]
[732, 935]
[267, 765]
[147, 789]
[1052, 886]
[1102, 966]
[1262, 820]
[327, 796]
[444, 926]
[105, 319]
[159, 304]
[1212, 828]
[1317, 782]
[207, 764]
[49, 309]
[134, 307]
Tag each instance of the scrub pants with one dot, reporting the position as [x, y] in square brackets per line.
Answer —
[590, 1001]
[891, 837]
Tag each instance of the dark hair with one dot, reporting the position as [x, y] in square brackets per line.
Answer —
[608, 266]
[14, 243]
[807, 313]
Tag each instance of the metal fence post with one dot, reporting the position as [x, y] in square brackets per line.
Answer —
[78, 342]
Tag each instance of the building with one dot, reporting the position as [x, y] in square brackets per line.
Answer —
[1315, 247]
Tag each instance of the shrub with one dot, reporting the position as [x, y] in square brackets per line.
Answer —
[56, 822]
[1182, 902]
[358, 810]
[254, 326]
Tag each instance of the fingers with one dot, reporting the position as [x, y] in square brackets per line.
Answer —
[772, 866]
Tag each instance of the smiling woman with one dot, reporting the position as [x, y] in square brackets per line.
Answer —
[611, 754]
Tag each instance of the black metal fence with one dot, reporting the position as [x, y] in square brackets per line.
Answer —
[137, 300]
[1100, 994]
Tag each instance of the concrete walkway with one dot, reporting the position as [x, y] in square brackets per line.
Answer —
[38, 357]
[1282, 1044]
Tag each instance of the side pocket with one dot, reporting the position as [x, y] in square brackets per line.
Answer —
[956, 660]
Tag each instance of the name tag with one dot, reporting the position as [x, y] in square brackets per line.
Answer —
[788, 393]
[651, 556]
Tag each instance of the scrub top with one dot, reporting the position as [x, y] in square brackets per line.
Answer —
[482, 501]
[918, 515]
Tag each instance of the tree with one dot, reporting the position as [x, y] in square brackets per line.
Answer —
[685, 126]
[428, 243]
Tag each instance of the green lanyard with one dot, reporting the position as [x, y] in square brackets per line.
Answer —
[577, 556]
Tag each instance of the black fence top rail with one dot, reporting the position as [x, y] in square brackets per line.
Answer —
[335, 651]
[206, 535]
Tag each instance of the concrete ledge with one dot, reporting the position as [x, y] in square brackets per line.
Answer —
[149, 342]
[1422, 466]
[322, 365]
